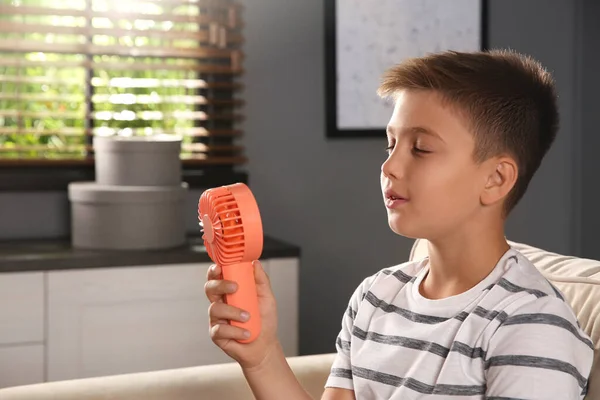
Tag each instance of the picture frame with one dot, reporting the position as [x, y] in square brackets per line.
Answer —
[358, 77]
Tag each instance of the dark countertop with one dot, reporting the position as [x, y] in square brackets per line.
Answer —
[57, 254]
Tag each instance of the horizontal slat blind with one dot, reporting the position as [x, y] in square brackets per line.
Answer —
[72, 69]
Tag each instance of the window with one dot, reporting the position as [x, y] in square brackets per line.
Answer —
[71, 69]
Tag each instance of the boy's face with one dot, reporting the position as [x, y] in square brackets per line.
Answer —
[430, 168]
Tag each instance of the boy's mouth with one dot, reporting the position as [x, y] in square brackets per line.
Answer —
[393, 199]
[391, 195]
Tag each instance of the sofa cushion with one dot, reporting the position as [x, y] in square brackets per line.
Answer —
[207, 382]
[577, 278]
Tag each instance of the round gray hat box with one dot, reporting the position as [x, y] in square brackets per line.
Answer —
[127, 217]
[138, 160]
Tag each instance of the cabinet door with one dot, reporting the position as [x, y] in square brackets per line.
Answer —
[123, 320]
[21, 365]
[284, 276]
[21, 308]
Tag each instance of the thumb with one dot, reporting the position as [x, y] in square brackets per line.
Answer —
[263, 283]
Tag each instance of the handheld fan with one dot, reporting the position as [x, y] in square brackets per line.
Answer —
[233, 237]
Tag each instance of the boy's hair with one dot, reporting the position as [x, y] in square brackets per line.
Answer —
[509, 100]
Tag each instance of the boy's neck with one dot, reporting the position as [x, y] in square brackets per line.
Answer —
[461, 261]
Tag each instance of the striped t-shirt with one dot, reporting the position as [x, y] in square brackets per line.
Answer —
[512, 336]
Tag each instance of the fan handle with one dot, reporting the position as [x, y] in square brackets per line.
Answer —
[245, 297]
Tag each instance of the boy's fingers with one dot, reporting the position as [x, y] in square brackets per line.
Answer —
[263, 283]
[223, 312]
[214, 272]
[216, 289]
[225, 331]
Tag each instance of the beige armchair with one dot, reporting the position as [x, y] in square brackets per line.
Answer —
[578, 279]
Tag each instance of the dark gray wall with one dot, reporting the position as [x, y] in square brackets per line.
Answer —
[546, 30]
[324, 195]
[589, 160]
[33, 215]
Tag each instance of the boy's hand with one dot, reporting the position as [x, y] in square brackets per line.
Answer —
[248, 355]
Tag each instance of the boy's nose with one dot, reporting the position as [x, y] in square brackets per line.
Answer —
[391, 168]
[385, 169]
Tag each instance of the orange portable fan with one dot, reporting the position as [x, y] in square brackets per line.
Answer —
[233, 237]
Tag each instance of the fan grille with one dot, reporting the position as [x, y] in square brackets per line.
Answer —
[227, 238]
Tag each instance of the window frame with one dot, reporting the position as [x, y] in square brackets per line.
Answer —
[55, 177]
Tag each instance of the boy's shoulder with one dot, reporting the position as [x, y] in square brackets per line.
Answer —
[521, 275]
[400, 273]
[530, 298]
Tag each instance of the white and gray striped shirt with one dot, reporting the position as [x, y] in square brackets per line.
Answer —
[512, 336]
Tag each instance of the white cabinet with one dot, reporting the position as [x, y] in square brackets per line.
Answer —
[21, 307]
[135, 319]
[119, 320]
[21, 365]
[284, 276]
[81, 323]
[21, 328]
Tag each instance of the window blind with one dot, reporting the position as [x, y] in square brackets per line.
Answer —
[72, 69]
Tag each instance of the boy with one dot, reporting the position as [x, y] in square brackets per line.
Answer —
[474, 319]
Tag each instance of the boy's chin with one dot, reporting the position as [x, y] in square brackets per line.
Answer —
[403, 229]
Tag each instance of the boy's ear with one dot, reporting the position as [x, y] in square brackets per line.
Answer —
[500, 181]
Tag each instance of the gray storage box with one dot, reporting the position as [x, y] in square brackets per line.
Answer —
[138, 160]
[127, 217]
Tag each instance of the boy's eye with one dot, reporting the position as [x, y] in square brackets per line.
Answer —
[389, 148]
[418, 147]
[419, 150]
[415, 149]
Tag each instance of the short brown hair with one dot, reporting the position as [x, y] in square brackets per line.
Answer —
[508, 98]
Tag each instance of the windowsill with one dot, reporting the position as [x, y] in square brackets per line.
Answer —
[28, 179]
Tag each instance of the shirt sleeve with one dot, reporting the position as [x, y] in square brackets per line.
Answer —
[539, 352]
[341, 370]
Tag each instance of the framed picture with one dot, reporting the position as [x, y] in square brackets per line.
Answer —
[363, 38]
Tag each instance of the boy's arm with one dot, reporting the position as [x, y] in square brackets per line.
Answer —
[275, 380]
[539, 352]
